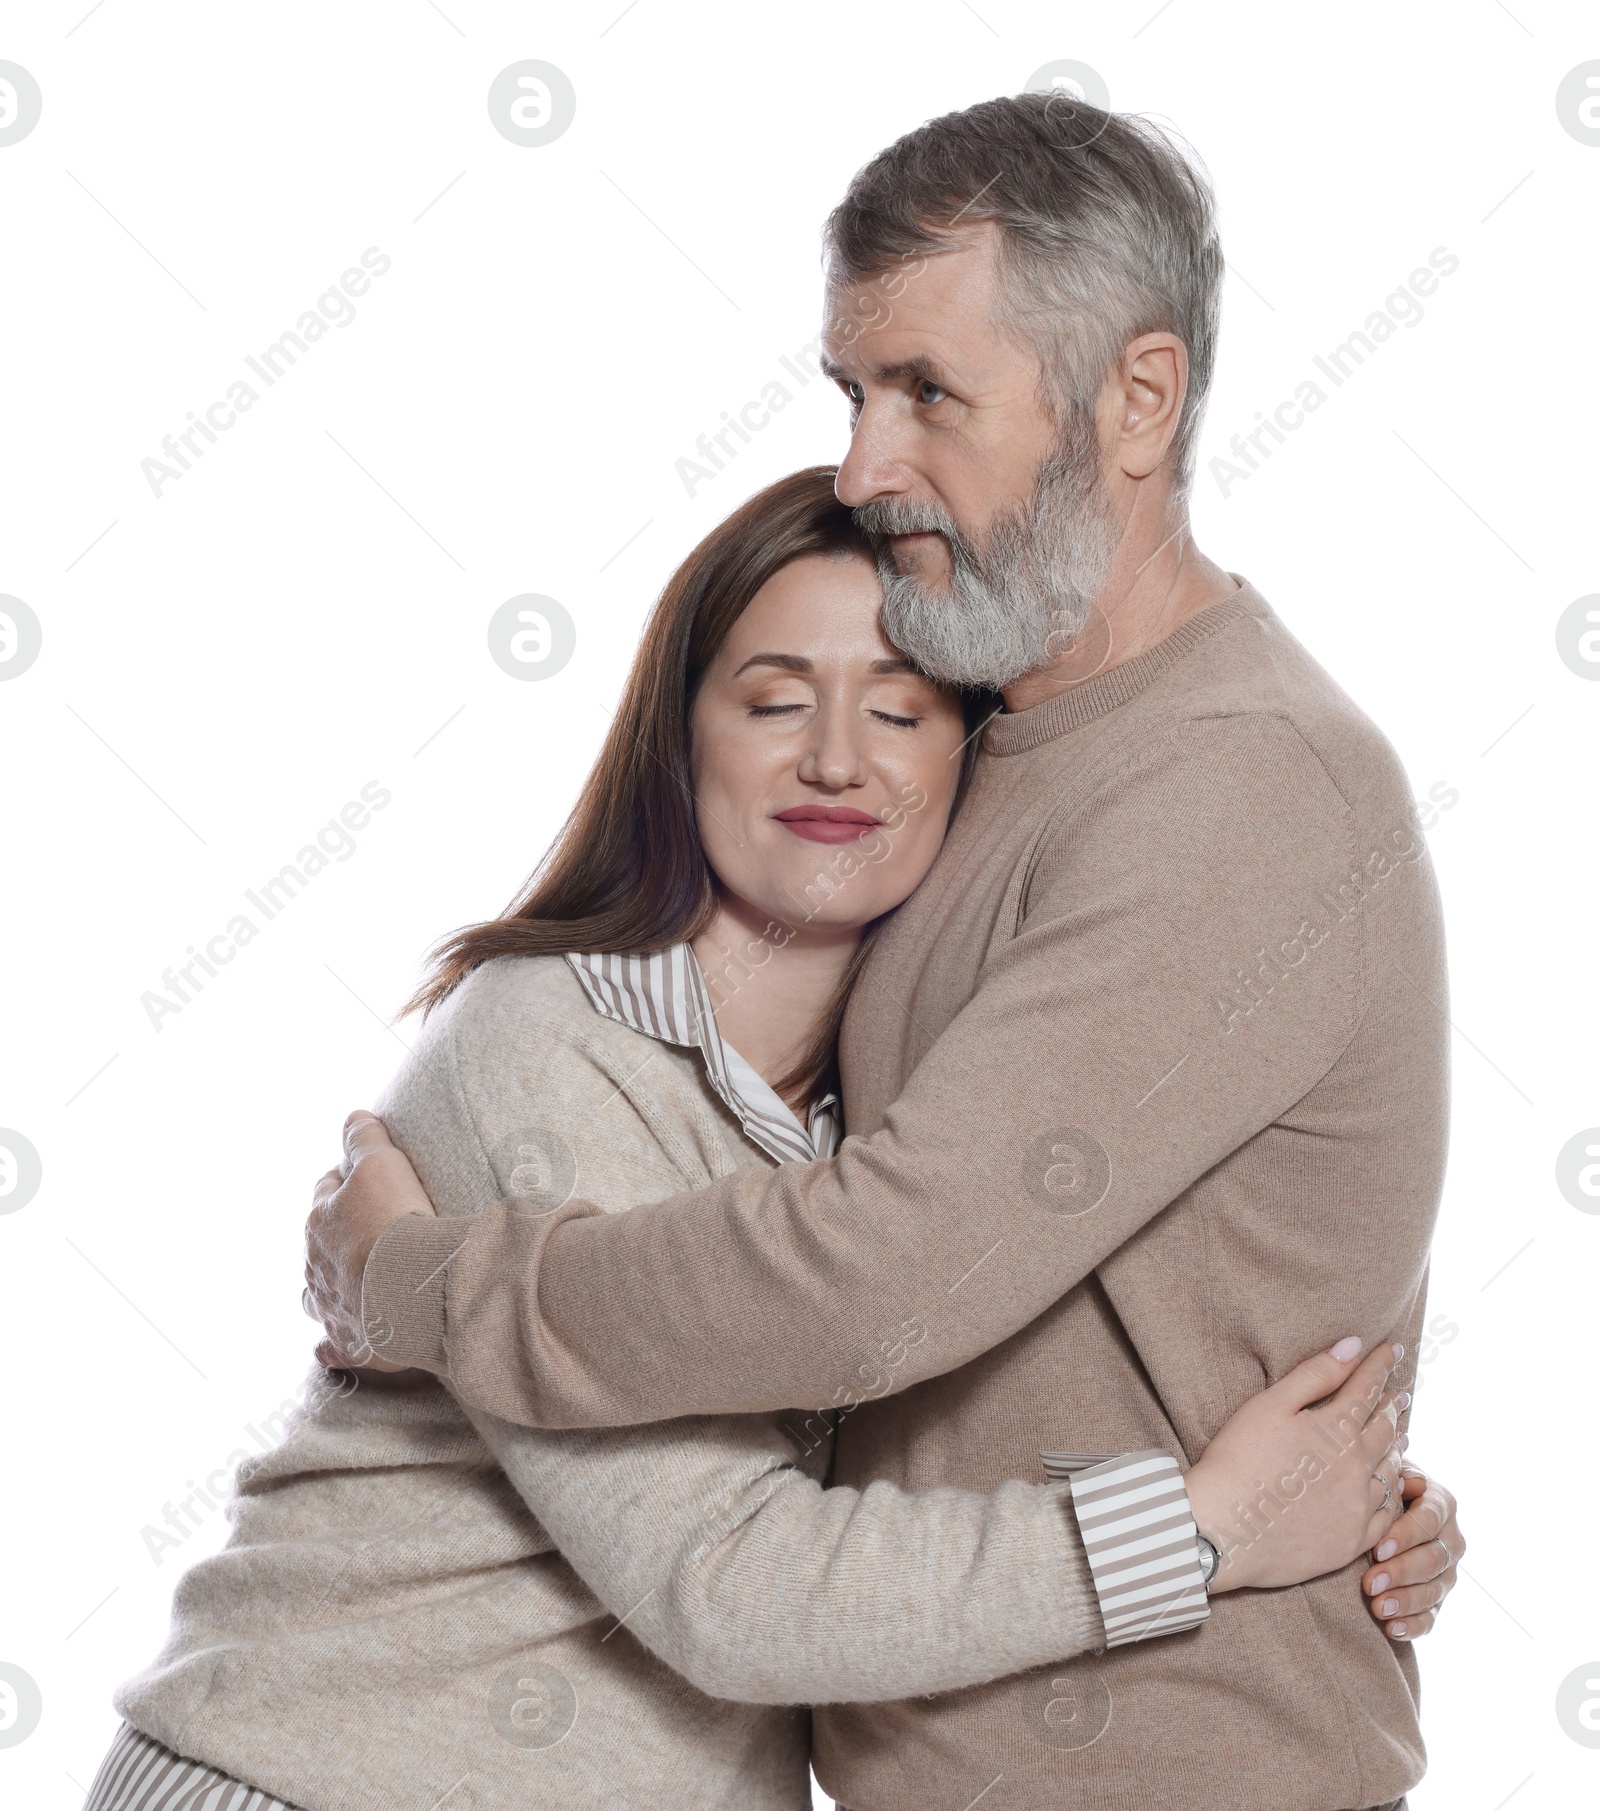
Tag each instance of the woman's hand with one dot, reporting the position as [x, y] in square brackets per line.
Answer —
[1414, 1567]
[354, 1205]
[1306, 1475]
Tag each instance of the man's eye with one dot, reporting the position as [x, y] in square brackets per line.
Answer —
[930, 393]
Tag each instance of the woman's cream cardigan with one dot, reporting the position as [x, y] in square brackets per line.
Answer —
[424, 1607]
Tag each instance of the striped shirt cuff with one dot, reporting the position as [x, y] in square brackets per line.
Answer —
[1139, 1535]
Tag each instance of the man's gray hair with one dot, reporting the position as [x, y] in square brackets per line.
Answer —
[1107, 231]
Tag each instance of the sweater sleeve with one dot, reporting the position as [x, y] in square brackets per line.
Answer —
[710, 1539]
[1168, 993]
[712, 1545]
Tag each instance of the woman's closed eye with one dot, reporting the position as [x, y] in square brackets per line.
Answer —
[902, 700]
[900, 719]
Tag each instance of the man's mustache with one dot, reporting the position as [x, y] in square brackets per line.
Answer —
[887, 516]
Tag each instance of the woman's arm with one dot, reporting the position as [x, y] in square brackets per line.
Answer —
[711, 1542]
[713, 1545]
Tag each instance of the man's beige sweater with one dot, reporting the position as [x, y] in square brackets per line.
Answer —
[391, 1626]
[1146, 1095]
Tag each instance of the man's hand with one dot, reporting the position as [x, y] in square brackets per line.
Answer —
[354, 1205]
[1416, 1560]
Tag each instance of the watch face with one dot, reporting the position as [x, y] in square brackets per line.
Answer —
[1208, 1559]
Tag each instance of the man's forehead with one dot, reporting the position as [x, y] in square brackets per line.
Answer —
[915, 310]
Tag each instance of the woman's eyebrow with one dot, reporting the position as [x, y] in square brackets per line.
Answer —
[790, 663]
[799, 663]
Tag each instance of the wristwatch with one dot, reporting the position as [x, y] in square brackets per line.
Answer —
[1210, 1559]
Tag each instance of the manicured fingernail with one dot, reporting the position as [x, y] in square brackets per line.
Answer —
[1399, 1351]
[1403, 1400]
[1380, 1583]
[1398, 1631]
[1346, 1349]
[1388, 1607]
[1388, 1550]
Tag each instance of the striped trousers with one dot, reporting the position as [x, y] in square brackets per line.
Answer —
[138, 1774]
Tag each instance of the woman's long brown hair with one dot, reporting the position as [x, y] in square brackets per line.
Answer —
[627, 872]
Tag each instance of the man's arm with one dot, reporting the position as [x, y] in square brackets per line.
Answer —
[1103, 1066]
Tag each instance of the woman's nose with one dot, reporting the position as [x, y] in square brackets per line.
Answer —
[833, 757]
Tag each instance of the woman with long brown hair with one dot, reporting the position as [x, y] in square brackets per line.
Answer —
[422, 1606]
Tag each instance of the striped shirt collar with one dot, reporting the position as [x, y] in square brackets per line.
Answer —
[663, 994]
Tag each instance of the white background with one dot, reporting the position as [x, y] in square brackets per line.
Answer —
[305, 610]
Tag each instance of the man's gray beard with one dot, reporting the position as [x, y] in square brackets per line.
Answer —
[1013, 604]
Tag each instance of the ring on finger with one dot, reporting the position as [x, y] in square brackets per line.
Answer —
[1388, 1490]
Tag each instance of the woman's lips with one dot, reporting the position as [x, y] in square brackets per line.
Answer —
[828, 823]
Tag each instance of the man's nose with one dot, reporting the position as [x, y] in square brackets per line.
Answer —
[870, 469]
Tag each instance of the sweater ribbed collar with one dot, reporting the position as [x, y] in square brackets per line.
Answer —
[1014, 732]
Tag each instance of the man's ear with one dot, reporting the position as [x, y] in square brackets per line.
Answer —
[1153, 379]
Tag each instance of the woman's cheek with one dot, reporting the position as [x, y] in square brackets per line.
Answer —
[717, 817]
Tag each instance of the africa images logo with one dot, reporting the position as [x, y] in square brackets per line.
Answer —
[20, 104]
